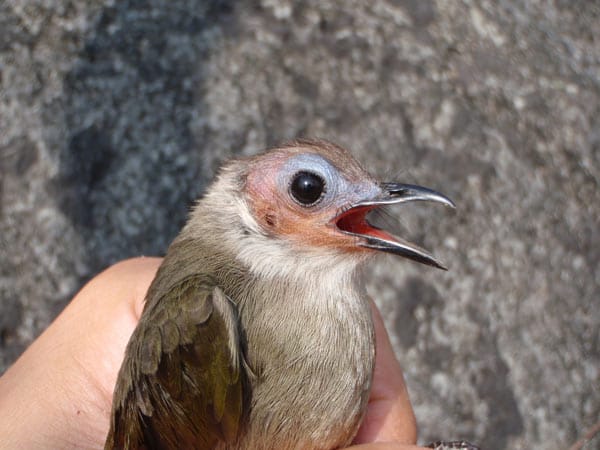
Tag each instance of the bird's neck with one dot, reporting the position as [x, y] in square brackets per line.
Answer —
[224, 227]
[260, 272]
[251, 268]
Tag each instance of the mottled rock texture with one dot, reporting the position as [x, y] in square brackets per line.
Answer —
[114, 116]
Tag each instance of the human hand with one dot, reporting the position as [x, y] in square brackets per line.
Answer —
[58, 394]
[390, 422]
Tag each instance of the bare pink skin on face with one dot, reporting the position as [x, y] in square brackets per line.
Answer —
[335, 226]
[280, 216]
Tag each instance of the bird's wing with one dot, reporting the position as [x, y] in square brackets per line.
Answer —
[181, 383]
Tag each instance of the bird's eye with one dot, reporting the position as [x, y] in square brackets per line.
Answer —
[307, 188]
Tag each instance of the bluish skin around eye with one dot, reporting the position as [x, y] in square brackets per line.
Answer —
[338, 190]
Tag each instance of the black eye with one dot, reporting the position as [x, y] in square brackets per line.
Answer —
[307, 188]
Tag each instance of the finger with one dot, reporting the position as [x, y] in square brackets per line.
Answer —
[389, 415]
[106, 311]
[387, 446]
[65, 379]
[123, 285]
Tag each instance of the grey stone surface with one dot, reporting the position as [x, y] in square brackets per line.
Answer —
[114, 116]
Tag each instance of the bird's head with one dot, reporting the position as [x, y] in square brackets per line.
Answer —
[314, 196]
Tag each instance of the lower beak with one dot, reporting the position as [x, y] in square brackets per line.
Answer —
[353, 221]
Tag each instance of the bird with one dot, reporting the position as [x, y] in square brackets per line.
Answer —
[256, 332]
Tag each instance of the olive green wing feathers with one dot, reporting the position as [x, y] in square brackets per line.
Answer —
[180, 385]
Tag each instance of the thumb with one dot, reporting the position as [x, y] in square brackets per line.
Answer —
[389, 415]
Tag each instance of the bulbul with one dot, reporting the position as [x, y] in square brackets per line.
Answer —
[256, 331]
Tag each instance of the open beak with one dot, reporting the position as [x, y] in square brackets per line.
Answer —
[353, 221]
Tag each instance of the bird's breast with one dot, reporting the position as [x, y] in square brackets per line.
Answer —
[311, 348]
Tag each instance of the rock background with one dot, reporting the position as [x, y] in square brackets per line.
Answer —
[114, 116]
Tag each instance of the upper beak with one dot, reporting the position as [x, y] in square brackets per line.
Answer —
[353, 221]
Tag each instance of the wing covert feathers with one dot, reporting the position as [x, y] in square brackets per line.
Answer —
[180, 385]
